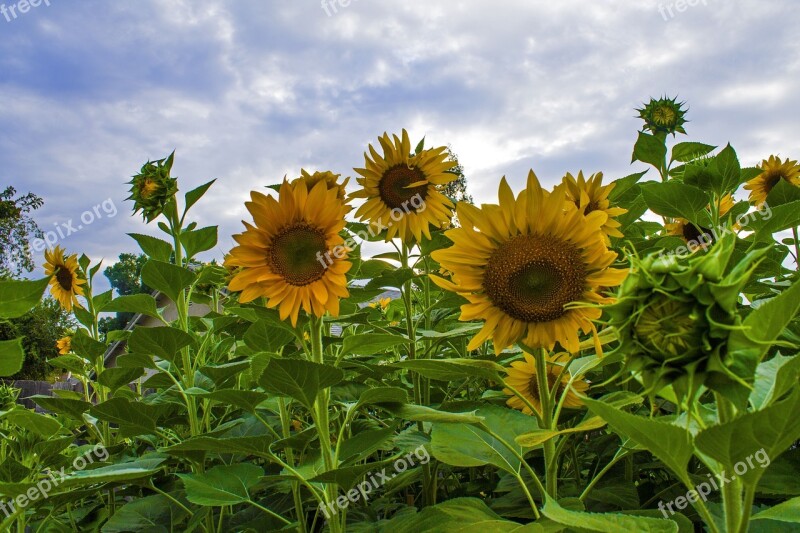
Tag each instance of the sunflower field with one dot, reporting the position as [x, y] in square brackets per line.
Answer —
[618, 356]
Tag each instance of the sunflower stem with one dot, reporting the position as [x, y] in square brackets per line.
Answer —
[549, 447]
[796, 248]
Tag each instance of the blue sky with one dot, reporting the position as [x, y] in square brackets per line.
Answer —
[248, 91]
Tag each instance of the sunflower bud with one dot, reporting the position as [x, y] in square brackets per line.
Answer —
[664, 115]
[674, 316]
[331, 181]
[153, 187]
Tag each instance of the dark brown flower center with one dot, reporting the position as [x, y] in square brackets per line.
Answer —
[64, 278]
[295, 254]
[771, 179]
[693, 233]
[593, 206]
[394, 186]
[532, 277]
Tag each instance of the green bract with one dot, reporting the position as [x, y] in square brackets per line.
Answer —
[153, 187]
[675, 315]
[665, 115]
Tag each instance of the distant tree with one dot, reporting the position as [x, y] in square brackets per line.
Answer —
[39, 328]
[17, 228]
[456, 190]
[125, 276]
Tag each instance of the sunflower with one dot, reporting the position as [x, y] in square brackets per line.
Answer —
[403, 191]
[331, 180]
[152, 188]
[665, 116]
[591, 195]
[66, 279]
[532, 267]
[64, 345]
[383, 303]
[697, 236]
[773, 171]
[522, 376]
[293, 256]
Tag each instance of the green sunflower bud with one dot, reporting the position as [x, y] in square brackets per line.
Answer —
[152, 188]
[664, 115]
[674, 316]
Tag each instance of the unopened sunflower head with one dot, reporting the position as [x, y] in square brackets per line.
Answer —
[403, 190]
[152, 188]
[665, 115]
[773, 171]
[674, 315]
[331, 181]
[293, 255]
[8, 396]
[591, 195]
[534, 268]
[66, 278]
[64, 345]
[523, 378]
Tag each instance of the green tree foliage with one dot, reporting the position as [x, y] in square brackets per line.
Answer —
[17, 228]
[39, 328]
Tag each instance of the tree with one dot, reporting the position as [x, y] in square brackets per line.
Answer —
[125, 277]
[17, 228]
[456, 190]
[39, 328]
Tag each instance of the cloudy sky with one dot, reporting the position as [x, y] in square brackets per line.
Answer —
[248, 91]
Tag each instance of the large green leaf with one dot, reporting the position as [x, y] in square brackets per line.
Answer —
[649, 149]
[163, 342]
[371, 343]
[263, 336]
[153, 247]
[136, 303]
[606, 522]
[458, 514]
[12, 355]
[745, 439]
[726, 166]
[774, 378]
[150, 513]
[454, 369]
[674, 199]
[70, 407]
[19, 297]
[133, 418]
[247, 445]
[43, 425]
[167, 278]
[142, 467]
[672, 445]
[688, 151]
[195, 194]
[788, 511]
[244, 399]
[199, 240]
[299, 379]
[772, 219]
[114, 378]
[467, 445]
[222, 485]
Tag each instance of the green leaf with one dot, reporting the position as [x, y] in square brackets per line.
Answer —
[623, 185]
[137, 469]
[672, 445]
[301, 380]
[771, 220]
[536, 438]
[199, 240]
[371, 343]
[222, 485]
[649, 149]
[772, 430]
[727, 167]
[43, 425]
[453, 369]
[258, 446]
[464, 515]
[12, 355]
[774, 378]
[465, 445]
[114, 378]
[606, 522]
[163, 342]
[788, 511]
[263, 336]
[363, 444]
[19, 297]
[421, 413]
[154, 248]
[195, 194]
[674, 199]
[133, 418]
[783, 193]
[383, 396]
[146, 514]
[85, 346]
[688, 151]
[143, 304]
[244, 399]
[167, 278]
[73, 363]
[347, 476]
[70, 407]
